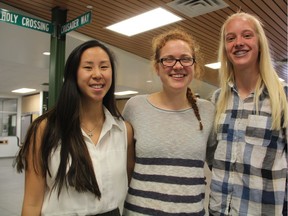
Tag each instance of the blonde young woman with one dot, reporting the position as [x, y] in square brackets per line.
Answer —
[171, 129]
[249, 175]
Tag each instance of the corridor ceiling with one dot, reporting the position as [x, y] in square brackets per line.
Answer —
[205, 27]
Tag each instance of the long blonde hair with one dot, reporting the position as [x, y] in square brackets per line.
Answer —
[268, 76]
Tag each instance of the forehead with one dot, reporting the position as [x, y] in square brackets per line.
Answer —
[239, 24]
[176, 46]
[94, 52]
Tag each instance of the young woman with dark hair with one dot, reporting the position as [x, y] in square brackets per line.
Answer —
[77, 155]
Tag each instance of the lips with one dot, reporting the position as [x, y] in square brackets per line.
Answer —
[97, 86]
[177, 75]
[240, 52]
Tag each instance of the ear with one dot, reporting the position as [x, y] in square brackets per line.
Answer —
[157, 69]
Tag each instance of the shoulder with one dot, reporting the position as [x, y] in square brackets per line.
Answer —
[129, 128]
[206, 110]
[285, 86]
[215, 96]
[38, 125]
[36, 132]
[41, 127]
[130, 133]
[134, 102]
[205, 104]
[136, 99]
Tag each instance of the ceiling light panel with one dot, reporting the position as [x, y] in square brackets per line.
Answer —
[23, 90]
[145, 22]
[215, 65]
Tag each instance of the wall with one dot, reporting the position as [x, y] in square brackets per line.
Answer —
[120, 104]
[31, 104]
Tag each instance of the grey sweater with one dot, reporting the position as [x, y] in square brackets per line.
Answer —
[168, 178]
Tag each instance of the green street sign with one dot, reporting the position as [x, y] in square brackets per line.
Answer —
[25, 21]
[76, 23]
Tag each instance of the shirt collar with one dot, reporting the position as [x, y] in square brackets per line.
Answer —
[233, 87]
[109, 123]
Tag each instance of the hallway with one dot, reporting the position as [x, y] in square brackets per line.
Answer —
[11, 188]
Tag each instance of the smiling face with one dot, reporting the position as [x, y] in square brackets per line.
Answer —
[176, 77]
[94, 76]
[241, 44]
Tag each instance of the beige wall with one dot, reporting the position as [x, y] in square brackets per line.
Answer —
[120, 104]
[31, 104]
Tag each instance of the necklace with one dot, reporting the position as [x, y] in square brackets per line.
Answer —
[90, 132]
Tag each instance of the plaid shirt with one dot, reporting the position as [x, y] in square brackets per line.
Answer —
[249, 175]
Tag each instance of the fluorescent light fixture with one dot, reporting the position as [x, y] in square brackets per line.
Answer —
[216, 65]
[23, 90]
[46, 53]
[144, 22]
[125, 93]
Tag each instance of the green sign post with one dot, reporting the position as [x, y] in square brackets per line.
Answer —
[25, 21]
[76, 23]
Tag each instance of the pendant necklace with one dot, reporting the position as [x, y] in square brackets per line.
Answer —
[90, 132]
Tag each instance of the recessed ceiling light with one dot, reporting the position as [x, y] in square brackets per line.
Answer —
[23, 90]
[144, 22]
[149, 81]
[46, 53]
[125, 93]
[216, 65]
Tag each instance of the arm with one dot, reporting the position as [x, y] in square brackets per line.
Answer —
[286, 192]
[212, 139]
[211, 147]
[35, 182]
[130, 151]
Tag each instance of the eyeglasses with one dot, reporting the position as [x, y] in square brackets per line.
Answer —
[170, 62]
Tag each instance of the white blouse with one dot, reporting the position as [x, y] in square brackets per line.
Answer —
[109, 159]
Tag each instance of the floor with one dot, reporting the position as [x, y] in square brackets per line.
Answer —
[11, 189]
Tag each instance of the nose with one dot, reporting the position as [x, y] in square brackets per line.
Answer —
[96, 74]
[238, 42]
[178, 63]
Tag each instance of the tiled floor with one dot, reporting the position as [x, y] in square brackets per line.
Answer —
[11, 188]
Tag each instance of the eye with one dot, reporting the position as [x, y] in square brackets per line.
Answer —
[186, 59]
[230, 38]
[248, 35]
[168, 60]
[88, 68]
[104, 66]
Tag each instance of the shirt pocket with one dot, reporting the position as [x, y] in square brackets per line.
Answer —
[258, 131]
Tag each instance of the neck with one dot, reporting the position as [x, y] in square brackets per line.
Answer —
[92, 116]
[92, 126]
[246, 82]
[175, 101]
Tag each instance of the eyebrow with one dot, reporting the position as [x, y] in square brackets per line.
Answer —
[92, 62]
[88, 62]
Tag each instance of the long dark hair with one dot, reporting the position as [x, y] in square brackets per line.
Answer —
[63, 126]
